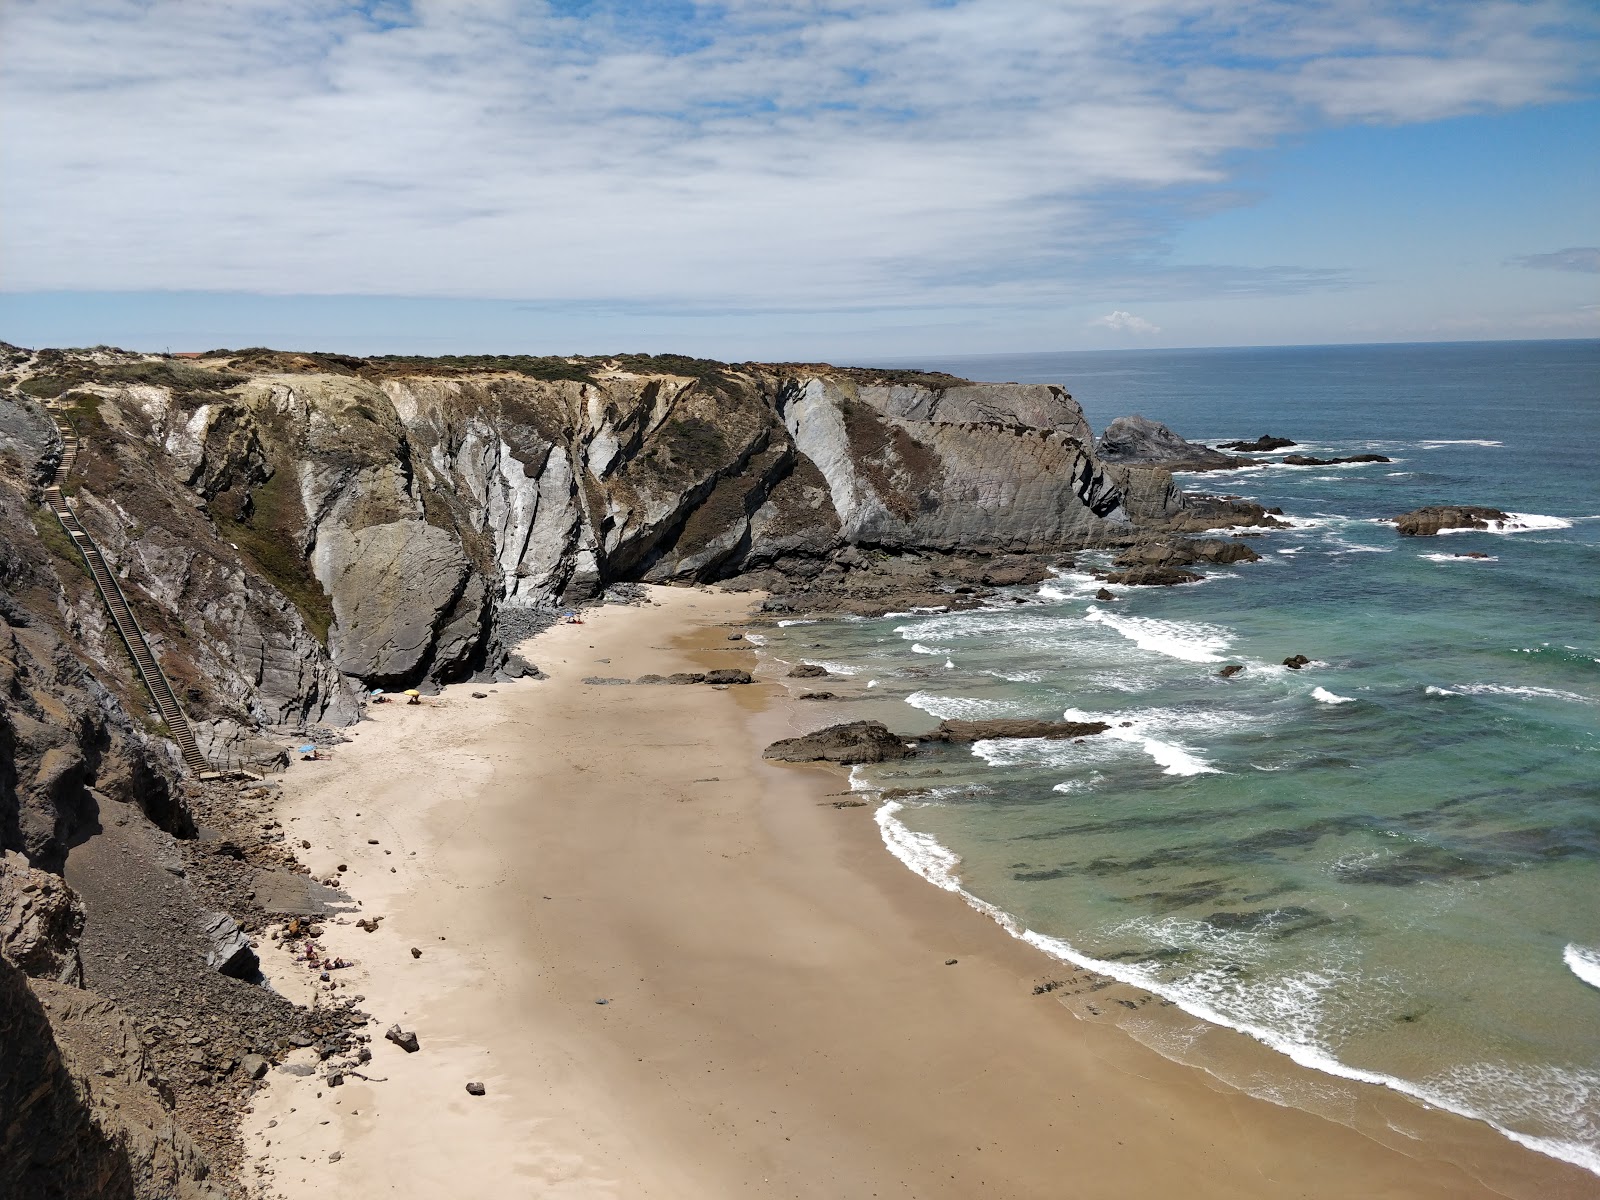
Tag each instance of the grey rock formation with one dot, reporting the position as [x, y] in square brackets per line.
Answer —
[896, 481]
[228, 947]
[853, 742]
[1143, 442]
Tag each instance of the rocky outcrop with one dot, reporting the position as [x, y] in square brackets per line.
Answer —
[898, 477]
[1142, 442]
[1308, 460]
[1426, 522]
[41, 920]
[1261, 445]
[853, 742]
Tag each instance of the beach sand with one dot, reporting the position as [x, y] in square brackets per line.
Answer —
[779, 1018]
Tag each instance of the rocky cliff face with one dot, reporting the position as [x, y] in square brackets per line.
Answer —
[293, 529]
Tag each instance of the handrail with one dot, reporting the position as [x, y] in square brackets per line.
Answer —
[116, 601]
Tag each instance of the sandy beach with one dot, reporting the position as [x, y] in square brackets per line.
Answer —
[681, 972]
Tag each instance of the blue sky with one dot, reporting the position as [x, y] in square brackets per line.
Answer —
[796, 178]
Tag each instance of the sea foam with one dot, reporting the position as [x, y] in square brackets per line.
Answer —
[963, 708]
[1583, 962]
[1189, 641]
[1529, 693]
[1170, 756]
[1327, 697]
[1517, 523]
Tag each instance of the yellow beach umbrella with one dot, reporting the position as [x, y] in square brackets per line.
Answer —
[413, 692]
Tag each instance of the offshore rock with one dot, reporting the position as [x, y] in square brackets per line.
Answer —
[1262, 444]
[849, 743]
[1307, 460]
[1425, 522]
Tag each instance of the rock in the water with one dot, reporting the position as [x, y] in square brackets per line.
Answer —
[816, 696]
[475, 1088]
[1425, 522]
[1296, 661]
[230, 951]
[1104, 595]
[808, 671]
[1232, 669]
[1262, 444]
[1143, 442]
[403, 1038]
[1307, 460]
[1182, 552]
[976, 731]
[726, 675]
[852, 742]
[1153, 577]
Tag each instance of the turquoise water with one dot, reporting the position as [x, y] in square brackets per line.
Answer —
[1386, 865]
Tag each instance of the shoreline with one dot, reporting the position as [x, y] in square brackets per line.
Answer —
[779, 1015]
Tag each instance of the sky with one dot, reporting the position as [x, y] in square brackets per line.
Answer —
[796, 179]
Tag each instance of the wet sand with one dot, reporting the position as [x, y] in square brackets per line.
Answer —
[779, 1016]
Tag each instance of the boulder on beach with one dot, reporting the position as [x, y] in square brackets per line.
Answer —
[229, 947]
[1425, 522]
[808, 671]
[726, 675]
[977, 731]
[851, 742]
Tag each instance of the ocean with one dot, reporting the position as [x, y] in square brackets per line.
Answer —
[1386, 865]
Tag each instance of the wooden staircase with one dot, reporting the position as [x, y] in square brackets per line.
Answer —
[117, 603]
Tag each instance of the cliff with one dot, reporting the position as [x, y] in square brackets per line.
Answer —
[293, 529]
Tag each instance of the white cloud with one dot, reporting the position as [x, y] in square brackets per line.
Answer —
[1124, 322]
[773, 153]
[1573, 258]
